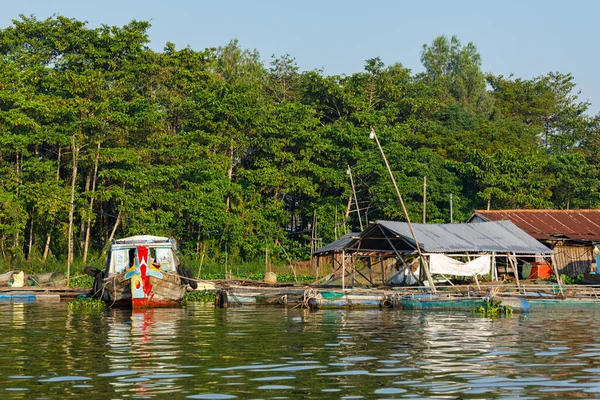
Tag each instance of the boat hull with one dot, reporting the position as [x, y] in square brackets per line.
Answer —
[435, 303]
[525, 304]
[166, 292]
[591, 279]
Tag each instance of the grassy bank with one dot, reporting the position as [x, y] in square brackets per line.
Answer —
[201, 270]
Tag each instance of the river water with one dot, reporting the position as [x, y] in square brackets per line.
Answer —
[48, 351]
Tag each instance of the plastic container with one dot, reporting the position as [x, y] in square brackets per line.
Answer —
[540, 269]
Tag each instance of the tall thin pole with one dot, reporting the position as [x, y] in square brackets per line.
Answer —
[335, 224]
[355, 198]
[412, 231]
[451, 217]
[424, 199]
[343, 270]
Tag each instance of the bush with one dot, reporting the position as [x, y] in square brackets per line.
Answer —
[81, 281]
[567, 279]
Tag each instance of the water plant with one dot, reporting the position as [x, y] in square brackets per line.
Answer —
[204, 296]
[493, 308]
[87, 303]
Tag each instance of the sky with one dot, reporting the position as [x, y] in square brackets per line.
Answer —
[526, 38]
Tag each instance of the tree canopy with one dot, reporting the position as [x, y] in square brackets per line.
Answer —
[102, 137]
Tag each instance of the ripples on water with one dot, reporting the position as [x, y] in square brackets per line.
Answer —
[199, 352]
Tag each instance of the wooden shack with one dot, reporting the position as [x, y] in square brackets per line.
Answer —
[385, 248]
[574, 235]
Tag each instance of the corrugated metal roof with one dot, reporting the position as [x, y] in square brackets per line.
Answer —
[500, 236]
[339, 244]
[579, 225]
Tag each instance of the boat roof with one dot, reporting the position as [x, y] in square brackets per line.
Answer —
[143, 239]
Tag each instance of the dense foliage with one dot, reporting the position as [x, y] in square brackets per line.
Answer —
[102, 137]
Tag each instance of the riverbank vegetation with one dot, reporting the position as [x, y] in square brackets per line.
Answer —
[102, 137]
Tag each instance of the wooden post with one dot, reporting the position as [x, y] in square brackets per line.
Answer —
[494, 271]
[558, 280]
[343, 269]
[513, 263]
[382, 271]
[333, 261]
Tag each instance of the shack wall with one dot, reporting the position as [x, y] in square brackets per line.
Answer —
[573, 260]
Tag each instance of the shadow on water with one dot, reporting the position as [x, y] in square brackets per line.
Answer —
[197, 351]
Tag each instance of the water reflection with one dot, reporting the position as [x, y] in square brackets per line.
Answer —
[143, 351]
[49, 351]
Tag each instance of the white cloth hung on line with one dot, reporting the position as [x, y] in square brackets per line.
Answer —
[441, 264]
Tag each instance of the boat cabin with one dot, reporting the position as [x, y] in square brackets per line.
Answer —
[162, 252]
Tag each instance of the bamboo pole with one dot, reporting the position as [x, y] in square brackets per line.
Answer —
[412, 231]
[513, 263]
[558, 280]
[355, 198]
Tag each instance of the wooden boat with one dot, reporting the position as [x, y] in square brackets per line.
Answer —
[141, 272]
[591, 279]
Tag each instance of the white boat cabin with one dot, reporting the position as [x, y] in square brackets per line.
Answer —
[123, 253]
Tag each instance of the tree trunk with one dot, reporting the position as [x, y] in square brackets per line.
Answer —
[72, 208]
[16, 243]
[58, 164]
[89, 221]
[230, 172]
[49, 236]
[114, 230]
[88, 181]
[47, 246]
[30, 237]
[3, 245]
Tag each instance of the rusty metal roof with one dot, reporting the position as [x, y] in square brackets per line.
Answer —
[577, 225]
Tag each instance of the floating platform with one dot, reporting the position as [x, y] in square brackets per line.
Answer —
[32, 295]
[522, 298]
